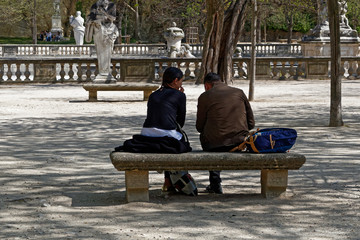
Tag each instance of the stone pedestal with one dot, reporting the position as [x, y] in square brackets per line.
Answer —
[104, 78]
[262, 71]
[56, 28]
[321, 70]
[137, 71]
[137, 186]
[44, 72]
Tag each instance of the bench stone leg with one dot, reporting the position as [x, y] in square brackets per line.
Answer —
[147, 94]
[273, 182]
[92, 96]
[137, 186]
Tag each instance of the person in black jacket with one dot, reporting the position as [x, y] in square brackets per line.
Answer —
[162, 129]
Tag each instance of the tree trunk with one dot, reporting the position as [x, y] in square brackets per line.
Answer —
[335, 105]
[34, 31]
[223, 30]
[290, 23]
[137, 21]
[258, 26]
[265, 33]
[253, 51]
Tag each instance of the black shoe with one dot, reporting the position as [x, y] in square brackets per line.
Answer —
[214, 189]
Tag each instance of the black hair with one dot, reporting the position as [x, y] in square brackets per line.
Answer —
[170, 74]
[211, 78]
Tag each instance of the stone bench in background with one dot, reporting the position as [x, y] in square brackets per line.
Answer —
[147, 88]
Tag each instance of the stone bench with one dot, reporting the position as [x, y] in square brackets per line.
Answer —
[274, 168]
[93, 88]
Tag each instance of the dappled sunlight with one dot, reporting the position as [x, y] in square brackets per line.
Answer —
[56, 172]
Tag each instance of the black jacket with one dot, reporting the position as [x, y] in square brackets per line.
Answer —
[166, 106]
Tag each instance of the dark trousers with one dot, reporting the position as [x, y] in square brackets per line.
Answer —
[214, 176]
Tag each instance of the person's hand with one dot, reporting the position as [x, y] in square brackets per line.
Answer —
[181, 89]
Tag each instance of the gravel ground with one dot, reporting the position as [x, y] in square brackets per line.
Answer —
[57, 181]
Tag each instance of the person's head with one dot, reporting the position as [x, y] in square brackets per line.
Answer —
[173, 78]
[210, 79]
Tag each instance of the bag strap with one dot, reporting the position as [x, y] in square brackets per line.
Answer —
[182, 132]
[249, 139]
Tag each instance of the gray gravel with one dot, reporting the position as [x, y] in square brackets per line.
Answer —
[57, 182]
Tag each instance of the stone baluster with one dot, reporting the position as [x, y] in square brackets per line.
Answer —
[197, 70]
[1, 72]
[274, 70]
[283, 71]
[71, 72]
[18, 72]
[79, 72]
[241, 71]
[9, 72]
[62, 72]
[292, 71]
[88, 72]
[113, 70]
[351, 70]
[342, 68]
[96, 69]
[233, 69]
[187, 71]
[161, 70]
[300, 69]
[27, 72]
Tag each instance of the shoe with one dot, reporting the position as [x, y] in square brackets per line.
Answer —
[168, 187]
[214, 189]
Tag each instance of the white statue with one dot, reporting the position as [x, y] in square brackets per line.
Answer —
[100, 26]
[78, 24]
[173, 36]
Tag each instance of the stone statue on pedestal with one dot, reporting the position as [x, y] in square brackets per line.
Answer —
[100, 27]
[321, 32]
[173, 37]
[78, 24]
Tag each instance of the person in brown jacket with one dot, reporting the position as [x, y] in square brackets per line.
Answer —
[224, 119]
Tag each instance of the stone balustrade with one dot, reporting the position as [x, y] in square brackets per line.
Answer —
[49, 69]
[263, 49]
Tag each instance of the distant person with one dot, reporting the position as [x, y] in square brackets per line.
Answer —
[48, 36]
[224, 119]
[41, 36]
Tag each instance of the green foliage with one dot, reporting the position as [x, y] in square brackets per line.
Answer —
[25, 40]
[18, 40]
[303, 22]
[353, 14]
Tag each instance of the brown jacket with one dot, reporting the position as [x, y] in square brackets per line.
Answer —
[224, 116]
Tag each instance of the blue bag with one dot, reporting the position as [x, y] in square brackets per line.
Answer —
[269, 140]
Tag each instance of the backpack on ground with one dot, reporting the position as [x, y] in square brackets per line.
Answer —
[268, 140]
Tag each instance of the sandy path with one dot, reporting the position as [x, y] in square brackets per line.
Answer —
[57, 182]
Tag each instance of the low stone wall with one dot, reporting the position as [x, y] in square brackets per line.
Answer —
[50, 69]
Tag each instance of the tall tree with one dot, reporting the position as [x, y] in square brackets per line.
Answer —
[253, 50]
[225, 22]
[290, 9]
[15, 13]
[334, 24]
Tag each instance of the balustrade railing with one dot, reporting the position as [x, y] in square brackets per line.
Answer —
[87, 50]
[84, 69]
